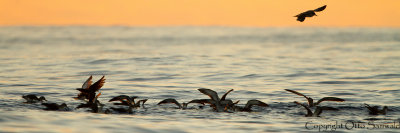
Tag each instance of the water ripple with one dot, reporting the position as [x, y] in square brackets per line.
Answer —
[348, 82]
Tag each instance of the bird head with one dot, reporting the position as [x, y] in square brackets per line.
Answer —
[42, 98]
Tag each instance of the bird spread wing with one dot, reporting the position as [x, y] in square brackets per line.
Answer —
[297, 93]
[87, 83]
[250, 103]
[224, 96]
[330, 99]
[201, 101]
[170, 100]
[212, 94]
[96, 86]
[309, 112]
[320, 8]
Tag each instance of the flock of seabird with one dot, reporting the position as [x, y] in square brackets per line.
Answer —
[89, 93]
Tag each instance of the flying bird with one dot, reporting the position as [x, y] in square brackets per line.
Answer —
[310, 13]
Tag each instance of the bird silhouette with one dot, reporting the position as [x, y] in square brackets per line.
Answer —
[374, 110]
[310, 13]
[249, 104]
[219, 104]
[317, 111]
[88, 90]
[32, 98]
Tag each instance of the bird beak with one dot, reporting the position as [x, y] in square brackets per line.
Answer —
[316, 15]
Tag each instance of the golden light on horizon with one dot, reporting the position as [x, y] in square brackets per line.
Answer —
[262, 13]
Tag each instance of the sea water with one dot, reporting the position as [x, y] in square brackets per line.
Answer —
[360, 65]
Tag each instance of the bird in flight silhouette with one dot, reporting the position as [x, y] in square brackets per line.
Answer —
[310, 13]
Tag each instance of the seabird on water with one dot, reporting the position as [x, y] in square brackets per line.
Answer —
[311, 101]
[171, 100]
[88, 91]
[127, 101]
[218, 104]
[375, 110]
[250, 104]
[317, 111]
[56, 107]
[310, 13]
[95, 106]
[31, 98]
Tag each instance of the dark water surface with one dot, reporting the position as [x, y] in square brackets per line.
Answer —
[360, 65]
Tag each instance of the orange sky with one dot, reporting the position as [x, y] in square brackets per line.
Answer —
[264, 13]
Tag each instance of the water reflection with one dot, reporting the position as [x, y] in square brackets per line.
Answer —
[359, 65]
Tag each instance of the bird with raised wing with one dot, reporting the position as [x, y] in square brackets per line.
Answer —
[311, 101]
[317, 110]
[218, 104]
[88, 91]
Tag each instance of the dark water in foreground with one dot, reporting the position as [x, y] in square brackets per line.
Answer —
[360, 65]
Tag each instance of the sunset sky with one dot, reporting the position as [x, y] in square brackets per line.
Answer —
[258, 13]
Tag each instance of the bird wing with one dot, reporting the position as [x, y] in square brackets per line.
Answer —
[236, 102]
[309, 112]
[170, 100]
[137, 104]
[87, 83]
[250, 103]
[133, 98]
[83, 90]
[373, 110]
[224, 96]
[201, 101]
[310, 101]
[317, 111]
[301, 14]
[143, 101]
[320, 8]
[297, 93]
[96, 86]
[119, 98]
[330, 99]
[212, 94]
